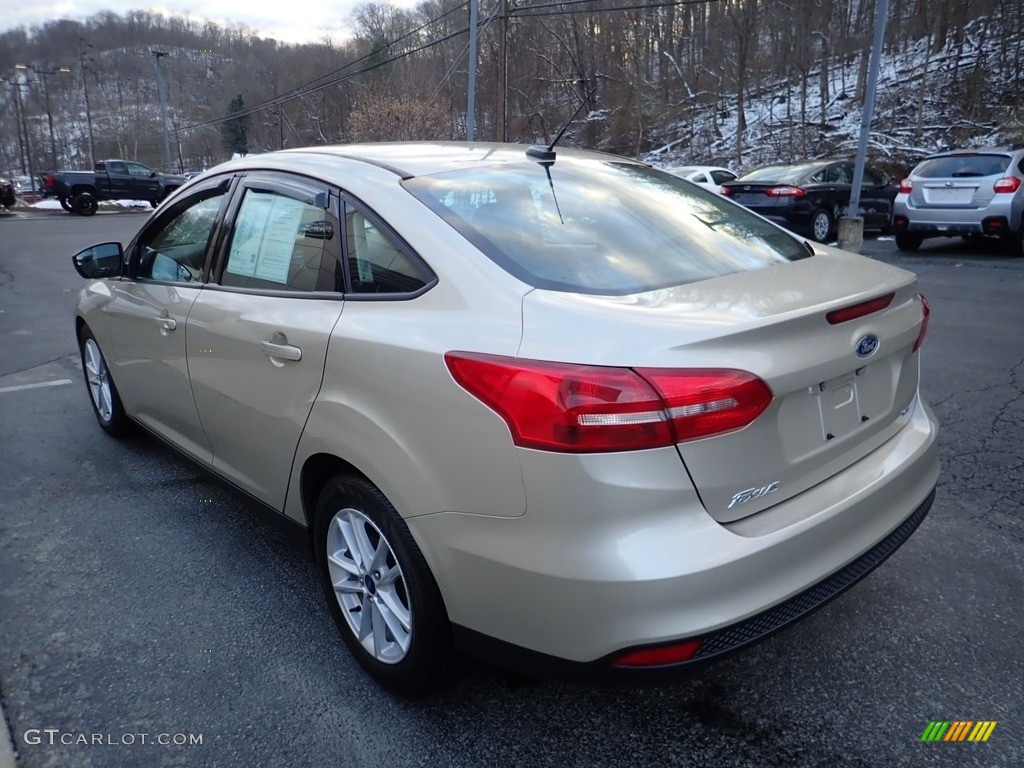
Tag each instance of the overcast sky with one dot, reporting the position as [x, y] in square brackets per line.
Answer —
[293, 21]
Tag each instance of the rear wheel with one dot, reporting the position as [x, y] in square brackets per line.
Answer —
[907, 242]
[821, 225]
[1013, 243]
[380, 590]
[84, 204]
[66, 204]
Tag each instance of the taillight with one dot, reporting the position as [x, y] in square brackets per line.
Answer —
[906, 186]
[852, 312]
[657, 657]
[725, 191]
[1007, 184]
[573, 408]
[50, 181]
[785, 191]
[926, 314]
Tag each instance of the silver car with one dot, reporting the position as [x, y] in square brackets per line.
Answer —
[551, 407]
[965, 192]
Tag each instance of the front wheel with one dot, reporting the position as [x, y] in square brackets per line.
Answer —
[907, 242]
[821, 225]
[106, 402]
[380, 590]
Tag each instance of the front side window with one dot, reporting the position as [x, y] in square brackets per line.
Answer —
[601, 227]
[282, 243]
[176, 249]
[138, 169]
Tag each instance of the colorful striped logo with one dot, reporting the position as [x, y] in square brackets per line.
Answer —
[958, 730]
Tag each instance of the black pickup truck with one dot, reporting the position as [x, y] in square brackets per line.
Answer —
[81, 191]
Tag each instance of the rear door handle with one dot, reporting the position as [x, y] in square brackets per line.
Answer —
[281, 351]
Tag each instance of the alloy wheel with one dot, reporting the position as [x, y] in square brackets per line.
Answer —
[369, 586]
[98, 380]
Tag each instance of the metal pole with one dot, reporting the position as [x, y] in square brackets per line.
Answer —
[471, 106]
[28, 141]
[869, 107]
[502, 129]
[49, 118]
[163, 107]
[18, 123]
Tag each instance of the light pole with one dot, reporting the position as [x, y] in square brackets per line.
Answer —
[18, 120]
[163, 106]
[49, 114]
[19, 105]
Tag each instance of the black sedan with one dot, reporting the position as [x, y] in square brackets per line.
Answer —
[809, 197]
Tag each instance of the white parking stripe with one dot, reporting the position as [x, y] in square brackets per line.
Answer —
[57, 383]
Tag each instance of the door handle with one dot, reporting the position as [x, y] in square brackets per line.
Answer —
[167, 323]
[281, 351]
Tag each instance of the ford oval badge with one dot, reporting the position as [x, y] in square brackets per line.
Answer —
[867, 345]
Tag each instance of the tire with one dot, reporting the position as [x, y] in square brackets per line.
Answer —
[1013, 243]
[386, 603]
[84, 204]
[106, 402]
[821, 225]
[66, 205]
[154, 203]
[907, 242]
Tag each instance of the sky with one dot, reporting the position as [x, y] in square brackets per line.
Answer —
[291, 21]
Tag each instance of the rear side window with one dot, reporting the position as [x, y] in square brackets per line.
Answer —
[602, 227]
[962, 166]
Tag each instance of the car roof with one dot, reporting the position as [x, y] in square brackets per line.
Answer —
[409, 159]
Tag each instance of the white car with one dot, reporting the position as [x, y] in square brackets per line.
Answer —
[708, 176]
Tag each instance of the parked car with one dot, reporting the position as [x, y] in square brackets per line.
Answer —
[81, 191]
[554, 408]
[708, 176]
[810, 197]
[964, 192]
[8, 195]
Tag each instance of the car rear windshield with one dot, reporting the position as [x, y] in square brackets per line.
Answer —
[601, 227]
[789, 174]
[962, 166]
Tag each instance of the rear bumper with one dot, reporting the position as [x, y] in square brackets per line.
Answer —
[714, 646]
[994, 219]
[620, 554]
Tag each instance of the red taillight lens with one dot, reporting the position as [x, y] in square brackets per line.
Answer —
[50, 181]
[1007, 184]
[573, 408]
[926, 314]
[725, 191]
[657, 657]
[852, 312]
[785, 191]
[906, 186]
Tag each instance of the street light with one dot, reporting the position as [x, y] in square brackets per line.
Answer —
[19, 105]
[49, 113]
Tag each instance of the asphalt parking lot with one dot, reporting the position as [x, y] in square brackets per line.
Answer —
[138, 596]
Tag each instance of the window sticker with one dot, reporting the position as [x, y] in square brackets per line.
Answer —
[265, 233]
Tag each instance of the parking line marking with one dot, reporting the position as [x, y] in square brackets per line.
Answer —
[57, 383]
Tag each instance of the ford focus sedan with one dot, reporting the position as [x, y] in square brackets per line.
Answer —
[554, 408]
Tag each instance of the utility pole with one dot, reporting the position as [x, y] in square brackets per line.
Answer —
[163, 107]
[88, 111]
[471, 106]
[19, 120]
[851, 226]
[20, 105]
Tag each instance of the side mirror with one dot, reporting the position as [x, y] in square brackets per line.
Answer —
[103, 260]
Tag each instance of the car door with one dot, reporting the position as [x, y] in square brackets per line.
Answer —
[258, 335]
[167, 265]
[876, 197]
[143, 183]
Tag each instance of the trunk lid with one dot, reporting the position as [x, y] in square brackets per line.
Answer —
[831, 405]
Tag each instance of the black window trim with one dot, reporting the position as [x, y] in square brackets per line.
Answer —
[131, 253]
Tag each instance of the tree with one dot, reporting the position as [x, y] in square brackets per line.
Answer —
[234, 133]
